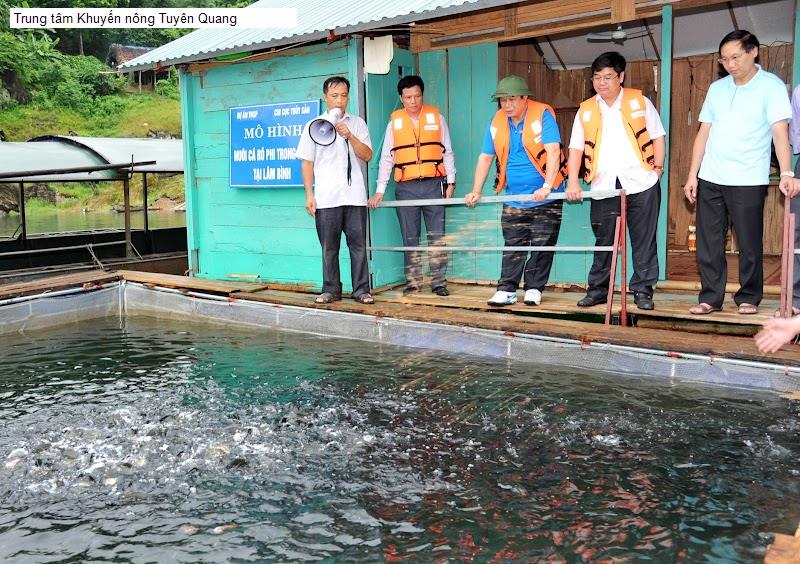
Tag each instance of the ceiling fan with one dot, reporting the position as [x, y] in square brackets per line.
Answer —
[619, 35]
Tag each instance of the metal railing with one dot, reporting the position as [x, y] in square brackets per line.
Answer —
[787, 261]
[87, 246]
[619, 246]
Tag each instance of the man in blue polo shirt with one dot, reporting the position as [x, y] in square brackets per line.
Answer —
[524, 137]
[742, 115]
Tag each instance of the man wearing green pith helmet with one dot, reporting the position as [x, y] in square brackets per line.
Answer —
[523, 135]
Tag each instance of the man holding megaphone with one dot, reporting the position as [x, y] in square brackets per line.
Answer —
[417, 146]
[333, 149]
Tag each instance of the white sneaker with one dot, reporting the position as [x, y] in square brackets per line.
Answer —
[533, 297]
[502, 298]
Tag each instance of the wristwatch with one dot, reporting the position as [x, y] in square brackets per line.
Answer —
[788, 173]
[547, 187]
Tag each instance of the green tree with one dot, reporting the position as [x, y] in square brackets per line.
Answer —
[22, 52]
[96, 43]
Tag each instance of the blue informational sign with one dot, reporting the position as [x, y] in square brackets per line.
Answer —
[263, 141]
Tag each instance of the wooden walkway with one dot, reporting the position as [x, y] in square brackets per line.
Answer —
[559, 323]
[671, 307]
[668, 328]
[77, 279]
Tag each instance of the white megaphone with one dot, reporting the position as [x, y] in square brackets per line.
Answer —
[323, 129]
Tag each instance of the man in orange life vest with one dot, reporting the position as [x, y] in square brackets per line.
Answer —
[417, 146]
[524, 137]
[620, 139]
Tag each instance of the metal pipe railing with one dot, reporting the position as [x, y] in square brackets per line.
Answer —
[787, 261]
[69, 248]
[619, 246]
[482, 249]
[526, 198]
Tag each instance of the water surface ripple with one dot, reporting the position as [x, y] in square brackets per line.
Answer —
[149, 441]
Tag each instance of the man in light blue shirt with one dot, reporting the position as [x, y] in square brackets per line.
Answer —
[742, 115]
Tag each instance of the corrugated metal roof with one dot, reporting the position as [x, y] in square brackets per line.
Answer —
[168, 153]
[696, 33]
[48, 155]
[57, 152]
[315, 19]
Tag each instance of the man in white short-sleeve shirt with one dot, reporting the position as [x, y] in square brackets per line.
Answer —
[336, 195]
[742, 115]
[619, 138]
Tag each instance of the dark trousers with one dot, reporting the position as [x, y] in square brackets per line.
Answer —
[410, 225]
[529, 227]
[642, 219]
[795, 209]
[331, 223]
[718, 207]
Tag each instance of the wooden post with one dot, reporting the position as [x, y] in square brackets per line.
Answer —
[187, 85]
[23, 221]
[144, 203]
[784, 258]
[796, 57]
[665, 110]
[126, 192]
[787, 262]
[790, 266]
[622, 11]
[623, 243]
[612, 279]
[510, 21]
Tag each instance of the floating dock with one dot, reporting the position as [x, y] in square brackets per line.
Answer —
[669, 342]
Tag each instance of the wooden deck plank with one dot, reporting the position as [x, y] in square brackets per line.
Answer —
[76, 279]
[668, 306]
[463, 296]
[734, 347]
[466, 306]
[190, 283]
[682, 265]
[676, 306]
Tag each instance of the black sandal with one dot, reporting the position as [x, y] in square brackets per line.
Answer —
[365, 299]
[327, 298]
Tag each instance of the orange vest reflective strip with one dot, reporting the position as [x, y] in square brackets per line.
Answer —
[418, 151]
[633, 117]
[531, 141]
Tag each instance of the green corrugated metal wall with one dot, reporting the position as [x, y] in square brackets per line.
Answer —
[249, 231]
[382, 99]
[235, 232]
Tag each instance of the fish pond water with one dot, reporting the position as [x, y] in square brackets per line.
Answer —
[139, 440]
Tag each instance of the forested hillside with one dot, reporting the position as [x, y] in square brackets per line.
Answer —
[57, 82]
